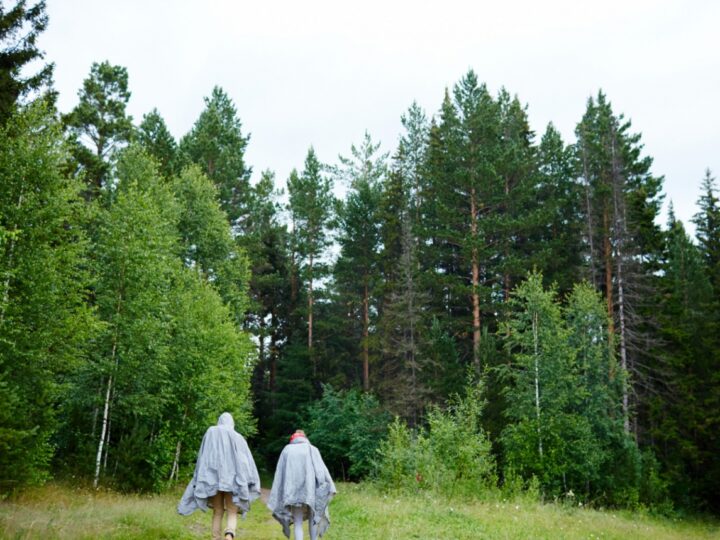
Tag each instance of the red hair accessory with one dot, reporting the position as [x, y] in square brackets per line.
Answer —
[297, 434]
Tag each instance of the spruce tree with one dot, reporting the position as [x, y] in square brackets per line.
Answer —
[559, 238]
[685, 414]
[442, 275]
[517, 213]
[707, 223]
[157, 140]
[20, 27]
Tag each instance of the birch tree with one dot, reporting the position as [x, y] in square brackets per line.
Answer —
[45, 321]
[136, 259]
[563, 405]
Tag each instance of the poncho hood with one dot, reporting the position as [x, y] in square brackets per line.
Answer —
[224, 463]
[301, 477]
[226, 420]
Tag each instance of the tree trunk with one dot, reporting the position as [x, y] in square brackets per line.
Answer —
[176, 462]
[588, 210]
[107, 441]
[273, 352]
[506, 274]
[620, 231]
[608, 272]
[537, 381]
[310, 319]
[262, 356]
[475, 280]
[106, 412]
[411, 336]
[108, 393]
[293, 272]
[366, 345]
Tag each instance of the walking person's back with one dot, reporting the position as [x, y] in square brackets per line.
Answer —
[302, 489]
[225, 479]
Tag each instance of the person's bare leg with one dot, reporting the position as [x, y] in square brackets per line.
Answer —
[232, 512]
[218, 509]
[297, 514]
[311, 527]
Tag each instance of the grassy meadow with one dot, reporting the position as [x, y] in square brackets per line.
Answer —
[358, 512]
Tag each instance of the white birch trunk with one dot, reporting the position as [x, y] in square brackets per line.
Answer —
[176, 462]
[108, 393]
[106, 411]
[588, 209]
[107, 441]
[619, 208]
[537, 381]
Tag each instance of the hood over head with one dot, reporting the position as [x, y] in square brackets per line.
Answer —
[226, 420]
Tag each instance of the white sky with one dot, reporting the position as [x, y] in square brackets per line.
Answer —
[323, 72]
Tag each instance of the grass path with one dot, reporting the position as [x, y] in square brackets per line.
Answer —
[358, 512]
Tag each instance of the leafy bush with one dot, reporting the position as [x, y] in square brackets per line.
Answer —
[452, 455]
[347, 427]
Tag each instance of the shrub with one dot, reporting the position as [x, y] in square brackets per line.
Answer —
[347, 426]
[452, 455]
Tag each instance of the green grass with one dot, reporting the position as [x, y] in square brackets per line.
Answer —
[358, 512]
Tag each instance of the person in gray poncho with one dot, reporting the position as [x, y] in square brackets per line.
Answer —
[225, 477]
[302, 489]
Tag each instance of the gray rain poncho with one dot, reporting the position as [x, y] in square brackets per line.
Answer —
[301, 477]
[224, 463]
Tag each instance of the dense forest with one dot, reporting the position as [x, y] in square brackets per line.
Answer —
[503, 304]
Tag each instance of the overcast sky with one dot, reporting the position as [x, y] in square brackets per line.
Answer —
[323, 72]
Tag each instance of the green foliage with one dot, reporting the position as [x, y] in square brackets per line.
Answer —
[564, 402]
[45, 323]
[217, 145]
[707, 222]
[445, 370]
[20, 26]
[171, 358]
[451, 456]
[99, 125]
[686, 415]
[121, 316]
[356, 269]
[311, 206]
[347, 426]
[154, 136]
[207, 242]
[560, 228]
[209, 362]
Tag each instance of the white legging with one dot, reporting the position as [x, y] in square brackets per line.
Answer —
[297, 514]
